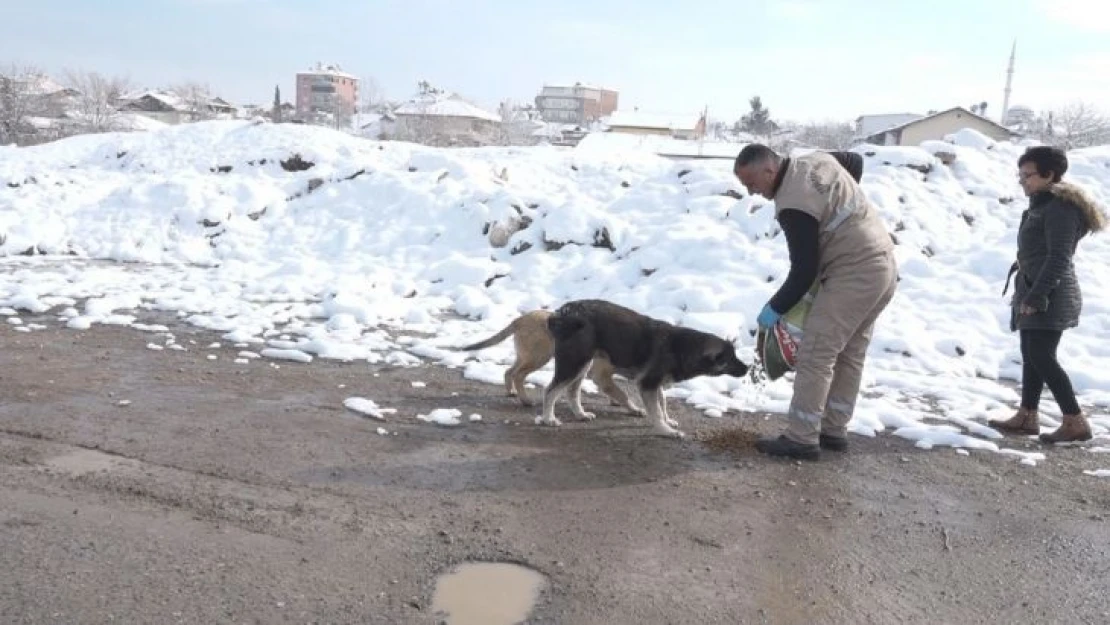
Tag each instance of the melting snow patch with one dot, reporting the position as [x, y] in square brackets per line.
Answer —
[442, 416]
[286, 354]
[367, 407]
[1029, 458]
[929, 436]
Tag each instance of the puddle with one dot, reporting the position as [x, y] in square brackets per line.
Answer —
[487, 593]
[86, 461]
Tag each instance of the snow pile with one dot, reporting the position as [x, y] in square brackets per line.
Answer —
[309, 243]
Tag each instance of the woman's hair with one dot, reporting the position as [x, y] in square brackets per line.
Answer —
[1047, 160]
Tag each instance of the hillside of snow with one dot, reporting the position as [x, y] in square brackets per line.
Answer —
[317, 244]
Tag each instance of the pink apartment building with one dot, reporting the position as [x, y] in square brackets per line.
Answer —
[326, 91]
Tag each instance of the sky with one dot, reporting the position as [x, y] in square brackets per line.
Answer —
[808, 60]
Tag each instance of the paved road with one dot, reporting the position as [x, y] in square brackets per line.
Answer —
[230, 493]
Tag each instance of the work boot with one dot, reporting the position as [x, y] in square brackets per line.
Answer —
[1024, 421]
[782, 446]
[1074, 428]
[833, 443]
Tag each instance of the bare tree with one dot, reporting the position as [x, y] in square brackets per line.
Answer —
[20, 100]
[829, 135]
[96, 100]
[370, 94]
[195, 97]
[517, 124]
[1077, 125]
[716, 129]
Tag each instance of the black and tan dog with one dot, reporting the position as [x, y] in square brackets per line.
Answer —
[534, 347]
[650, 352]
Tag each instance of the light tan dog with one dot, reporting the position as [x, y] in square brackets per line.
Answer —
[534, 347]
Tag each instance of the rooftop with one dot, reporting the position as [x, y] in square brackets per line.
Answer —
[580, 85]
[445, 105]
[39, 84]
[871, 124]
[920, 118]
[329, 69]
[640, 119]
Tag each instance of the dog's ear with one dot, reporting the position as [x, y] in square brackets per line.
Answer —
[714, 355]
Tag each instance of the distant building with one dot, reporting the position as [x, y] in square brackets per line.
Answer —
[1019, 115]
[377, 123]
[170, 107]
[266, 111]
[45, 97]
[867, 125]
[938, 125]
[441, 118]
[327, 94]
[678, 126]
[575, 104]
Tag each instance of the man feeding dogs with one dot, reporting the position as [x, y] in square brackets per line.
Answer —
[835, 236]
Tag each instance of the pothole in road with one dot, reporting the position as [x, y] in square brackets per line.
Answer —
[84, 461]
[486, 593]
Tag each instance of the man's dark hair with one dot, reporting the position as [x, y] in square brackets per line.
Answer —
[1047, 159]
[753, 153]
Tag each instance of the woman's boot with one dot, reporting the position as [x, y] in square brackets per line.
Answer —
[1074, 428]
[1024, 421]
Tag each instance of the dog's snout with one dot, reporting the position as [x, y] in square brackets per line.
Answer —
[740, 369]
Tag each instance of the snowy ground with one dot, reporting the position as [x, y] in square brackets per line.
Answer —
[337, 252]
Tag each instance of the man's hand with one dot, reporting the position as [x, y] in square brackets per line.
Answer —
[767, 317]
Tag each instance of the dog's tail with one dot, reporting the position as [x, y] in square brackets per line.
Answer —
[505, 333]
[564, 326]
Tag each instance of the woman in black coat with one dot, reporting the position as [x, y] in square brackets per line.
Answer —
[1047, 299]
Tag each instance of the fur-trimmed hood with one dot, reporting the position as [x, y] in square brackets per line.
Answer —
[1073, 194]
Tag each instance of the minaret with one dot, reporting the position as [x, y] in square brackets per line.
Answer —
[1009, 83]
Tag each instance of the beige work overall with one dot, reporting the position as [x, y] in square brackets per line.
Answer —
[858, 275]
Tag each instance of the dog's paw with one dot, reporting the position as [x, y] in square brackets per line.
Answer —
[668, 431]
[637, 412]
[553, 421]
[671, 422]
[587, 416]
